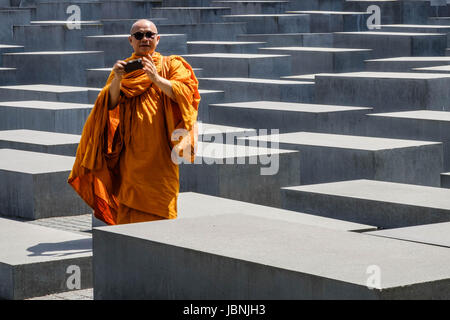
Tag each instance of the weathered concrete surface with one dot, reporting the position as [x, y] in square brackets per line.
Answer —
[34, 185]
[253, 7]
[272, 23]
[335, 21]
[436, 234]
[211, 132]
[40, 141]
[383, 204]
[246, 257]
[333, 157]
[291, 39]
[194, 47]
[445, 180]
[438, 69]
[404, 64]
[191, 15]
[35, 260]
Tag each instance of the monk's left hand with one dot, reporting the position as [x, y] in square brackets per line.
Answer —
[150, 69]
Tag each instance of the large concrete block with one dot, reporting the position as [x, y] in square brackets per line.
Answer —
[136, 9]
[187, 3]
[382, 204]
[40, 141]
[306, 60]
[37, 261]
[332, 157]
[44, 92]
[384, 91]
[53, 67]
[123, 26]
[87, 10]
[404, 64]
[246, 173]
[253, 7]
[194, 47]
[335, 21]
[393, 44]
[241, 65]
[322, 5]
[34, 186]
[436, 234]
[393, 11]
[417, 28]
[291, 39]
[272, 23]
[251, 89]
[117, 47]
[208, 97]
[44, 116]
[289, 116]
[240, 257]
[8, 18]
[223, 31]
[438, 69]
[4, 48]
[8, 76]
[191, 15]
[188, 207]
[208, 132]
[420, 125]
[445, 180]
[54, 36]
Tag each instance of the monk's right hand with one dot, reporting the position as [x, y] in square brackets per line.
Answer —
[119, 68]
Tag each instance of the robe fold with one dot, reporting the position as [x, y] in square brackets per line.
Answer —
[123, 167]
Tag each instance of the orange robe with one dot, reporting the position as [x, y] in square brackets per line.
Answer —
[123, 167]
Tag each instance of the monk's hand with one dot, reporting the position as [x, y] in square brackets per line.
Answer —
[119, 68]
[150, 69]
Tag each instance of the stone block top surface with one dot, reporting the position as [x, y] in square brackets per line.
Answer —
[39, 137]
[386, 75]
[25, 243]
[234, 55]
[400, 59]
[45, 105]
[339, 255]
[435, 234]
[34, 162]
[444, 68]
[224, 42]
[49, 53]
[391, 192]
[47, 88]
[432, 115]
[212, 206]
[256, 80]
[213, 150]
[394, 34]
[328, 12]
[314, 49]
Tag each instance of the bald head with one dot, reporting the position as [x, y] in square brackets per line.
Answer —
[143, 24]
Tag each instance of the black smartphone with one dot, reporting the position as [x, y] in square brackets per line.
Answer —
[133, 65]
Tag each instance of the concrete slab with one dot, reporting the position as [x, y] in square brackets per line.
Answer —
[35, 185]
[438, 69]
[393, 44]
[404, 64]
[384, 91]
[123, 25]
[215, 206]
[333, 157]
[241, 65]
[209, 132]
[40, 260]
[44, 116]
[272, 23]
[290, 39]
[8, 76]
[307, 60]
[435, 234]
[258, 258]
[383, 204]
[252, 89]
[9, 18]
[445, 180]
[253, 7]
[4, 48]
[246, 173]
[336, 21]
[89, 10]
[289, 116]
[194, 47]
[52, 67]
[40, 141]
[421, 124]
[191, 15]
[215, 31]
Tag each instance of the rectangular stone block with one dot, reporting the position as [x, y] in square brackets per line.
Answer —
[435, 234]
[216, 133]
[289, 116]
[53, 67]
[420, 125]
[208, 97]
[393, 44]
[241, 65]
[4, 48]
[445, 180]
[384, 91]
[332, 157]
[336, 21]
[404, 64]
[253, 7]
[194, 47]
[43, 92]
[272, 23]
[216, 206]
[438, 69]
[34, 186]
[251, 174]
[130, 9]
[123, 25]
[215, 31]
[89, 10]
[117, 47]
[252, 89]
[291, 39]
[40, 141]
[325, 5]
[306, 60]
[191, 15]
[36, 261]
[44, 116]
[259, 258]
[11, 17]
[8, 76]
[382, 204]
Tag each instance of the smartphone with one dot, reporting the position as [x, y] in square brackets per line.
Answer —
[133, 65]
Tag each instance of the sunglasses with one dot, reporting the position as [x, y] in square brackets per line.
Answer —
[140, 35]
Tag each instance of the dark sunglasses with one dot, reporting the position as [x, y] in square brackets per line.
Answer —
[140, 35]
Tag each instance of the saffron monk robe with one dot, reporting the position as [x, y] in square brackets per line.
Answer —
[123, 167]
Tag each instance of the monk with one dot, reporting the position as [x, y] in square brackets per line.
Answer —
[123, 167]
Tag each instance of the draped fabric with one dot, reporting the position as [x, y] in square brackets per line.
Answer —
[124, 158]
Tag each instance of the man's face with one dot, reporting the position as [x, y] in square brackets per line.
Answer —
[145, 45]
